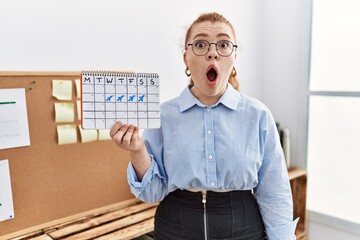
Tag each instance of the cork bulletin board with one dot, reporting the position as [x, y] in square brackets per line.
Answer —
[51, 181]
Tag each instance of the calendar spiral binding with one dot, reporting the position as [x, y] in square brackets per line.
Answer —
[105, 73]
[119, 74]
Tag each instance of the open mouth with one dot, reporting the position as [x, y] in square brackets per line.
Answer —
[212, 74]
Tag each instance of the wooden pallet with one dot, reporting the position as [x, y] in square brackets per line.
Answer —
[131, 218]
[123, 221]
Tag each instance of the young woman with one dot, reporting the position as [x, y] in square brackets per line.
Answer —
[216, 164]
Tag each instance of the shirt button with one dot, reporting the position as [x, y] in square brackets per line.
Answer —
[210, 157]
[209, 132]
[208, 109]
[212, 184]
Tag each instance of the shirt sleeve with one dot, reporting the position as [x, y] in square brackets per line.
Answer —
[153, 187]
[273, 192]
[282, 232]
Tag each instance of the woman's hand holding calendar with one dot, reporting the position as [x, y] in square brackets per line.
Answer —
[127, 137]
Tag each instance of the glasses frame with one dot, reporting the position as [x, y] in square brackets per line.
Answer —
[216, 46]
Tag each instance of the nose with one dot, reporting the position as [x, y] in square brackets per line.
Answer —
[212, 53]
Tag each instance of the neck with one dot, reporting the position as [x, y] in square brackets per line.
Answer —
[204, 98]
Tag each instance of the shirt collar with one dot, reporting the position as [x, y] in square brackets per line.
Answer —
[230, 99]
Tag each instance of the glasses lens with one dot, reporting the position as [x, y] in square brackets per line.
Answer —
[224, 48]
[200, 47]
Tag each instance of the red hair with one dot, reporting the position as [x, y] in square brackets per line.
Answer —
[214, 17]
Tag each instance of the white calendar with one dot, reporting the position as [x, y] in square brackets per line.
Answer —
[107, 97]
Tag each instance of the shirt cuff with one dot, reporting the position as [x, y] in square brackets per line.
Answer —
[282, 232]
[133, 179]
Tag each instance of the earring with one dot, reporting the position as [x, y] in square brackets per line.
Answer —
[187, 72]
[233, 73]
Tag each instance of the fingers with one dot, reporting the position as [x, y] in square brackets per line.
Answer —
[126, 140]
[125, 136]
[136, 133]
[115, 128]
[119, 133]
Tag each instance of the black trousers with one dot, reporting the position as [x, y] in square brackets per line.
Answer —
[234, 215]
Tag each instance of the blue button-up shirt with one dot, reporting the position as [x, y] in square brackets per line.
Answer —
[232, 145]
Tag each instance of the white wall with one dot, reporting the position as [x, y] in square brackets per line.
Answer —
[143, 36]
[286, 56]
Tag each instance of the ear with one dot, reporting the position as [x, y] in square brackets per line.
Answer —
[184, 58]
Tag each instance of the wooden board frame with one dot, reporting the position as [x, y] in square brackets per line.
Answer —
[51, 181]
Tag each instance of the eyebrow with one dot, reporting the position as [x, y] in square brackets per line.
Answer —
[207, 35]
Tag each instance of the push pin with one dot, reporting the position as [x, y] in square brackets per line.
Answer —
[30, 87]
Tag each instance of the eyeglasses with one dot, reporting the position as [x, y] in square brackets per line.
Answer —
[201, 47]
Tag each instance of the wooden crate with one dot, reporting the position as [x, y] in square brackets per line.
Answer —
[298, 182]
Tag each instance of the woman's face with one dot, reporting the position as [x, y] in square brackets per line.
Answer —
[210, 73]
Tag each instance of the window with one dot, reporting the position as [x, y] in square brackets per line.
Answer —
[334, 110]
